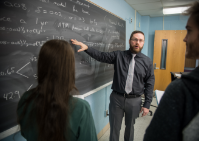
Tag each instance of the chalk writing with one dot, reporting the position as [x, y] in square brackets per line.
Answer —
[7, 72]
[23, 30]
[60, 4]
[42, 23]
[87, 61]
[93, 22]
[4, 42]
[2, 28]
[33, 59]
[86, 12]
[76, 28]
[9, 4]
[77, 18]
[82, 4]
[99, 31]
[115, 37]
[58, 37]
[22, 21]
[18, 72]
[63, 25]
[11, 95]
[45, 1]
[40, 10]
[74, 10]
[29, 87]
[4, 19]
[112, 22]
[24, 43]
[122, 25]
[35, 76]
[91, 44]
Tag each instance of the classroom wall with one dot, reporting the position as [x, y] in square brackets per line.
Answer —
[145, 20]
[138, 21]
[176, 22]
[99, 101]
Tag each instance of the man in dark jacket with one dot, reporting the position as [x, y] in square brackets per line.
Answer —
[133, 76]
[177, 115]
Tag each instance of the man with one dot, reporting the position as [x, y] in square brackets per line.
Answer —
[177, 116]
[133, 76]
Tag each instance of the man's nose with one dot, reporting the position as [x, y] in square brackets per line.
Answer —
[185, 39]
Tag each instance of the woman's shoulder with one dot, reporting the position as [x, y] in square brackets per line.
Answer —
[81, 103]
[25, 96]
[79, 107]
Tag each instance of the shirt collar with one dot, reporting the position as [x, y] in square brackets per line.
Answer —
[137, 55]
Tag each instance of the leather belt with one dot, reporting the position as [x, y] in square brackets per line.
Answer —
[127, 95]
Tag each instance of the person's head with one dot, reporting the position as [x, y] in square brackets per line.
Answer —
[192, 36]
[136, 41]
[56, 64]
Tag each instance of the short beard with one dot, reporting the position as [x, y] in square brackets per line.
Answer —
[193, 50]
[192, 53]
[134, 51]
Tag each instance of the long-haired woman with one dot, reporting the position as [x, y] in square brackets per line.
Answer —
[49, 112]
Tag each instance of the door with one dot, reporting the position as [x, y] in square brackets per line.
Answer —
[168, 56]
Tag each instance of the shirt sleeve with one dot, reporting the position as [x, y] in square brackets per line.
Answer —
[149, 85]
[166, 124]
[105, 57]
[87, 131]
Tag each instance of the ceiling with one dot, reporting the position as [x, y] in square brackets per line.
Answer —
[154, 8]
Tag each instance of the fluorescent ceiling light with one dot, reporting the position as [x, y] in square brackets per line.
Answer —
[174, 10]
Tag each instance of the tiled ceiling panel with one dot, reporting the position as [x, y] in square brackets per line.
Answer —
[150, 12]
[175, 3]
[154, 8]
[176, 0]
[156, 15]
[147, 6]
[140, 1]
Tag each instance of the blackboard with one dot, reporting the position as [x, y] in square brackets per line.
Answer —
[26, 24]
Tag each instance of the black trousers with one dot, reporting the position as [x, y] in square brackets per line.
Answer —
[117, 107]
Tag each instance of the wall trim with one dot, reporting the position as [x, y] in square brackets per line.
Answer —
[16, 128]
[135, 21]
[97, 89]
[9, 132]
[103, 131]
[163, 22]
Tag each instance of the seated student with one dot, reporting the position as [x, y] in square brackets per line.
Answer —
[49, 112]
[177, 115]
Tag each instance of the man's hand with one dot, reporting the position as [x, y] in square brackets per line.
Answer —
[145, 111]
[83, 46]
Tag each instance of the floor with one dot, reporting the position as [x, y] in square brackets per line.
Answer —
[140, 126]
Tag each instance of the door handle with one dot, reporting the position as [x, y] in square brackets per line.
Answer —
[154, 66]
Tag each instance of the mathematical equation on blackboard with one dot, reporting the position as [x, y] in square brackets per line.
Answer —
[48, 19]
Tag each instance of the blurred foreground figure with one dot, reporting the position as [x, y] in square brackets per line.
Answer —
[177, 116]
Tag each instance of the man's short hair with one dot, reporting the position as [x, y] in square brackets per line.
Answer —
[194, 11]
[134, 32]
